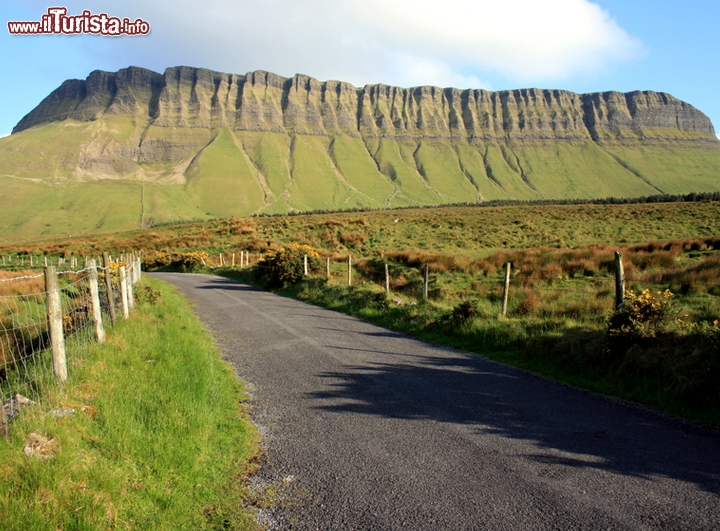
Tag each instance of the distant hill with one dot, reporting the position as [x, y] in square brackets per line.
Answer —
[133, 148]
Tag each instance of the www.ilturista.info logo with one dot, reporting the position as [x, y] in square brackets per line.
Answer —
[57, 22]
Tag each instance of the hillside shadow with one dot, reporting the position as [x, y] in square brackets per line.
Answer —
[494, 400]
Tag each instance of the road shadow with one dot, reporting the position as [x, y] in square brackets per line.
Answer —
[492, 399]
[227, 284]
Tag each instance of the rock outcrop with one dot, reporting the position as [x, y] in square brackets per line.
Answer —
[260, 101]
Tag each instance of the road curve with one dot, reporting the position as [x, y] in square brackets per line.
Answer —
[368, 429]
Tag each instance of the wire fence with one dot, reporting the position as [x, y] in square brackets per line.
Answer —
[33, 261]
[48, 319]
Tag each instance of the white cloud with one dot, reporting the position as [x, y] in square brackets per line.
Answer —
[522, 39]
[422, 70]
[402, 42]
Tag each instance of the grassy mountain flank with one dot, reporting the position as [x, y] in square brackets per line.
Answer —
[136, 148]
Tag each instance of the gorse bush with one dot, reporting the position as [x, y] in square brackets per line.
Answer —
[285, 266]
[643, 317]
[185, 262]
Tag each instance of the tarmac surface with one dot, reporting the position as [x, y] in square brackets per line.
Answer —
[368, 429]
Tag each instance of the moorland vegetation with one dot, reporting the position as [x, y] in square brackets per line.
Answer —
[661, 350]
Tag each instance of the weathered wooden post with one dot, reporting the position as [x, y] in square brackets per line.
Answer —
[242, 259]
[387, 279]
[506, 289]
[133, 268]
[55, 324]
[425, 282]
[305, 266]
[109, 288]
[4, 431]
[95, 302]
[139, 267]
[327, 267]
[124, 292]
[619, 282]
[233, 260]
[130, 280]
[349, 270]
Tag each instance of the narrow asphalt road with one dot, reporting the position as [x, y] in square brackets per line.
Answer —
[368, 429]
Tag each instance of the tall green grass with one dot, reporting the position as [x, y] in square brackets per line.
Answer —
[159, 440]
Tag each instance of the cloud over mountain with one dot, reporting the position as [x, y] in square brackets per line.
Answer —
[402, 42]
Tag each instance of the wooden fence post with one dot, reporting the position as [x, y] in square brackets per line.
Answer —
[4, 431]
[242, 259]
[95, 301]
[124, 292]
[349, 270]
[133, 268]
[305, 266]
[619, 282]
[55, 324]
[327, 267]
[130, 281]
[387, 279]
[109, 288]
[506, 289]
[425, 282]
[233, 259]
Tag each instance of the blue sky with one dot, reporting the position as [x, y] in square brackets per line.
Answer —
[578, 45]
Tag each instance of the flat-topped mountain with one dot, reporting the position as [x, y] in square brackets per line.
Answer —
[261, 101]
[192, 143]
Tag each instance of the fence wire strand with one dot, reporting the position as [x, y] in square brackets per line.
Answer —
[26, 371]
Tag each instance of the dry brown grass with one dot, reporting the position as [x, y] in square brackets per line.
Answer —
[23, 286]
[353, 239]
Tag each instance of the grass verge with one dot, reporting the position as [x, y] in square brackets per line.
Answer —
[159, 438]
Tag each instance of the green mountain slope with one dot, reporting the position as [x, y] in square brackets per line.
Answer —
[136, 148]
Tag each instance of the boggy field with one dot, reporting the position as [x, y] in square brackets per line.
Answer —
[662, 349]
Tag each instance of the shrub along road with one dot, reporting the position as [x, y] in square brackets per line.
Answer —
[365, 428]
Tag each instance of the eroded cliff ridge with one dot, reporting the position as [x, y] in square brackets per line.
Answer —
[196, 144]
[260, 101]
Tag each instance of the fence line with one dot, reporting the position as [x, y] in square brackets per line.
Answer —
[45, 325]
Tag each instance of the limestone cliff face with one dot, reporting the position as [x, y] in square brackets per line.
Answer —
[196, 144]
[197, 98]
